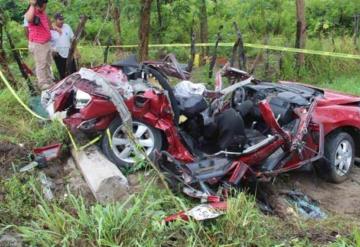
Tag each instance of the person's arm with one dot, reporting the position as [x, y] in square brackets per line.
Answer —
[26, 30]
[54, 27]
[30, 13]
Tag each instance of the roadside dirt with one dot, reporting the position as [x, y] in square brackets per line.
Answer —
[10, 153]
[67, 178]
[338, 199]
[62, 171]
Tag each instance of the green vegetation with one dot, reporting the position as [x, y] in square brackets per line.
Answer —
[18, 203]
[138, 222]
[330, 26]
[19, 126]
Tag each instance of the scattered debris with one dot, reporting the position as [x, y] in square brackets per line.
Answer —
[42, 155]
[47, 186]
[50, 152]
[306, 207]
[340, 199]
[200, 212]
[29, 166]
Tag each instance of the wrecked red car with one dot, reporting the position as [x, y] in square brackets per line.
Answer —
[209, 141]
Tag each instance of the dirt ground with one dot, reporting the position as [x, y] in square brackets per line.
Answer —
[340, 199]
[10, 153]
[62, 171]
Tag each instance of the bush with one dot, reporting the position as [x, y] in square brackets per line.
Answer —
[17, 205]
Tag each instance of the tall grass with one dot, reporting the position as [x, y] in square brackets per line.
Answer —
[19, 126]
[139, 222]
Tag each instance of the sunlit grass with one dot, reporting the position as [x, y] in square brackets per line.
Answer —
[345, 83]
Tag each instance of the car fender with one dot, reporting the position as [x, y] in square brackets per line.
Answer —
[337, 116]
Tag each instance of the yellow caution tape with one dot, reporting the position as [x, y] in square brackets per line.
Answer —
[93, 141]
[73, 142]
[249, 45]
[109, 137]
[77, 148]
[18, 98]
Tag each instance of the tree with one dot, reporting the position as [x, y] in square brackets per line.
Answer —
[77, 35]
[204, 33]
[3, 57]
[300, 31]
[116, 12]
[160, 20]
[144, 30]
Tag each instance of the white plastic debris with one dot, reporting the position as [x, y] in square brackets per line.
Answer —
[29, 167]
[204, 212]
[186, 89]
[47, 185]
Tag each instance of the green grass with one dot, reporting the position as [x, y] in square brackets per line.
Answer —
[73, 223]
[345, 83]
[18, 203]
[139, 222]
[19, 126]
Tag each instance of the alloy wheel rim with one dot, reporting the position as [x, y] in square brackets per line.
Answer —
[124, 149]
[343, 158]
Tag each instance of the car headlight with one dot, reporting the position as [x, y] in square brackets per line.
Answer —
[82, 99]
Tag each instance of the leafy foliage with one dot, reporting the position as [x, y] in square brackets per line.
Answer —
[255, 18]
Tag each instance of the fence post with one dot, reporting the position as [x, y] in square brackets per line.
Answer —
[106, 51]
[356, 29]
[267, 57]
[213, 58]
[192, 52]
[300, 31]
[238, 46]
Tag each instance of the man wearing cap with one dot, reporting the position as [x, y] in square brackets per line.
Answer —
[39, 41]
[61, 43]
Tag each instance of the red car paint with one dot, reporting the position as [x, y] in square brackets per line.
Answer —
[330, 112]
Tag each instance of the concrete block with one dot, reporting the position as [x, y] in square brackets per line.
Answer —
[105, 180]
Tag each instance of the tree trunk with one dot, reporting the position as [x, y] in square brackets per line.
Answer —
[144, 30]
[192, 52]
[356, 29]
[20, 64]
[3, 59]
[203, 30]
[6, 69]
[116, 19]
[79, 30]
[267, 58]
[214, 57]
[238, 59]
[301, 31]
[160, 21]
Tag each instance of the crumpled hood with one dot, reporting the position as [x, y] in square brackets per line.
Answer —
[331, 97]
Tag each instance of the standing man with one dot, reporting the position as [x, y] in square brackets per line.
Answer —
[61, 43]
[39, 41]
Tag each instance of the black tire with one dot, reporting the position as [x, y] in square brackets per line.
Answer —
[327, 168]
[110, 153]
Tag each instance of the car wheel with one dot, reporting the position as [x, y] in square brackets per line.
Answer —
[339, 158]
[121, 151]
